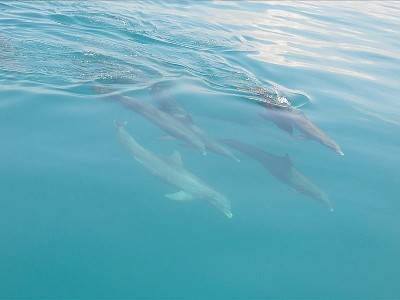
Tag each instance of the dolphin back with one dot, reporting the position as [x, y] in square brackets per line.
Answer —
[127, 140]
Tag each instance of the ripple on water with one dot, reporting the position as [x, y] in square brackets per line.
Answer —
[67, 186]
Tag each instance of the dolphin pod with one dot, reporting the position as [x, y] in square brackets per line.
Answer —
[173, 172]
[277, 109]
[175, 121]
[169, 116]
[161, 119]
[171, 106]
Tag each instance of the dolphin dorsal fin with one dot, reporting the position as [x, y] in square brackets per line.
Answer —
[176, 159]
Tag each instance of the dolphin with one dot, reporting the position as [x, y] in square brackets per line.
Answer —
[171, 106]
[281, 167]
[172, 171]
[163, 120]
[288, 118]
[279, 110]
[166, 122]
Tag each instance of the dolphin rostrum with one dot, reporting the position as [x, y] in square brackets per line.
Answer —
[289, 118]
[171, 106]
[281, 168]
[173, 172]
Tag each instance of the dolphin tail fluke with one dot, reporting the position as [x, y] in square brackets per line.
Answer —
[181, 196]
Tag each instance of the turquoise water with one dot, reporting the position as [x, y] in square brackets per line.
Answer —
[80, 218]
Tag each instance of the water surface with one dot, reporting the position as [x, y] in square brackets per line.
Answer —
[80, 218]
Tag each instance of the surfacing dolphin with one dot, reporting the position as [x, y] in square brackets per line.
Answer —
[279, 110]
[164, 121]
[289, 118]
[281, 168]
[171, 106]
[173, 172]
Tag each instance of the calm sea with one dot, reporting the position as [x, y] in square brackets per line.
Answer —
[80, 218]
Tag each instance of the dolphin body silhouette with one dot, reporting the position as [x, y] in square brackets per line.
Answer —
[280, 111]
[289, 118]
[163, 120]
[166, 122]
[173, 172]
[171, 106]
[281, 168]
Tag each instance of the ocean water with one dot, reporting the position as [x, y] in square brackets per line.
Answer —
[80, 218]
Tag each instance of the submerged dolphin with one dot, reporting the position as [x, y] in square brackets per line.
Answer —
[171, 106]
[168, 104]
[172, 171]
[281, 167]
[166, 122]
[289, 118]
[163, 120]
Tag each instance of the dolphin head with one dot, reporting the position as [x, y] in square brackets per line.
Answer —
[306, 187]
[324, 199]
[339, 151]
[222, 203]
[335, 147]
[328, 202]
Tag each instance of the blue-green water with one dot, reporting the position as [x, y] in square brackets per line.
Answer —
[81, 219]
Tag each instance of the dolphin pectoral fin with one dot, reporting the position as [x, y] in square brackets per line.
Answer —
[180, 196]
[301, 137]
[175, 159]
